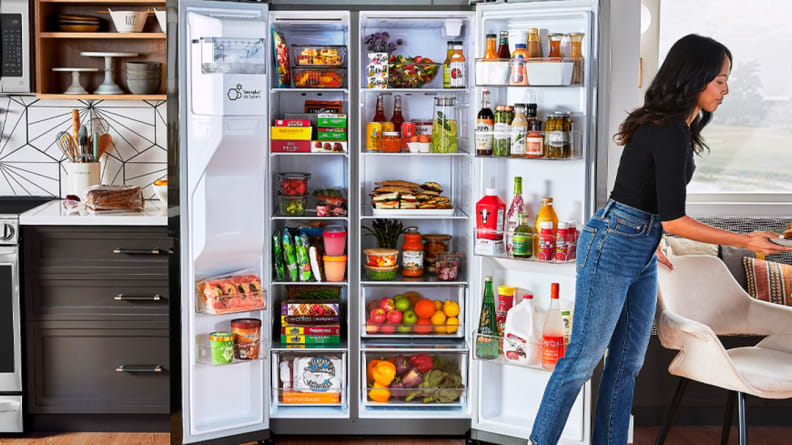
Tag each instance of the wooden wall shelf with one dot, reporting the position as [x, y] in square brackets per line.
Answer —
[103, 96]
[103, 35]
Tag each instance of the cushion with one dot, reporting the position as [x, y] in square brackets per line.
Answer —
[733, 258]
[684, 246]
[769, 281]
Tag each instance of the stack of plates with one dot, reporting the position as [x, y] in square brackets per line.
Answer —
[78, 23]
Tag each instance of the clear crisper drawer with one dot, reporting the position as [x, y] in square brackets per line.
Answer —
[413, 312]
[310, 378]
[233, 55]
[419, 379]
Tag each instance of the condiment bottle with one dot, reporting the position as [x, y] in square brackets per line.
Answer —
[490, 213]
[397, 119]
[485, 125]
[447, 65]
[576, 54]
[546, 213]
[553, 344]
[518, 75]
[518, 131]
[486, 340]
[503, 45]
[412, 253]
[546, 250]
[534, 140]
[534, 48]
[523, 238]
[505, 302]
[458, 68]
[562, 242]
[490, 53]
[555, 45]
[379, 113]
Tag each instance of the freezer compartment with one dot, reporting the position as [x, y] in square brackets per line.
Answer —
[413, 312]
[238, 353]
[238, 291]
[414, 379]
[309, 384]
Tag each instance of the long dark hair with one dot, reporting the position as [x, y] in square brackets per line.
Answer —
[692, 63]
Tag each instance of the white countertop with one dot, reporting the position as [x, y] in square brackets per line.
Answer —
[53, 214]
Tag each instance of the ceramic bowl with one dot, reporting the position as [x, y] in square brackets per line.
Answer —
[129, 21]
[161, 19]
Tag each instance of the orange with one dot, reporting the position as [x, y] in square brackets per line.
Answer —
[451, 308]
[424, 308]
[438, 305]
[424, 138]
[451, 324]
[424, 326]
[439, 320]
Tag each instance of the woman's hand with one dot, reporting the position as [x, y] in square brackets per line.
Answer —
[662, 259]
[759, 242]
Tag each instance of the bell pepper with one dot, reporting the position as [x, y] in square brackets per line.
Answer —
[370, 370]
[384, 372]
[379, 393]
[421, 362]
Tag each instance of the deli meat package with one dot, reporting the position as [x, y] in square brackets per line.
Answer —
[114, 198]
[307, 379]
[234, 293]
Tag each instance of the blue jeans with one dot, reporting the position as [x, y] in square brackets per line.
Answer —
[614, 306]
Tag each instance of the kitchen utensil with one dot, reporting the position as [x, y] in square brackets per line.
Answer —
[108, 86]
[105, 143]
[75, 123]
[76, 87]
[66, 144]
[82, 140]
[95, 148]
[128, 21]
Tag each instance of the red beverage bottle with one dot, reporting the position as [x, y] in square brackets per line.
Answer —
[553, 344]
[397, 117]
[379, 114]
[490, 215]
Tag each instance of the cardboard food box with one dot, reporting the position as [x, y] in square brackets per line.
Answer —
[291, 133]
[278, 146]
[292, 123]
[311, 339]
[307, 398]
[309, 308]
[290, 329]
[328, 146]
[331, 120]
[308, 321]
[331, 135]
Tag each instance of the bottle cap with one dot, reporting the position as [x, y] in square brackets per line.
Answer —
[554, 291]
[491, 191]
[506, 290]
[528, 297]
[547, 200]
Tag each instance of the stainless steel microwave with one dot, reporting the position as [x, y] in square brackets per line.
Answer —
[15, 66]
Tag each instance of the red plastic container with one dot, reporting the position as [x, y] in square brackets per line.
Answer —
[490, 216]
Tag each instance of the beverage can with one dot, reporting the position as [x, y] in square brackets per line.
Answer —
[374, 136]
[388, 126]
[407, 131]
[562, 243]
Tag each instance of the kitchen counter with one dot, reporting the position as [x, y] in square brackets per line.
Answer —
[53, 214]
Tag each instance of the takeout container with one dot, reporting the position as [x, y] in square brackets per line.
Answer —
[334, 268]
[128, 21]
[381, 257]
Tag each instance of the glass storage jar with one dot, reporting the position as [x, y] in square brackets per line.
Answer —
[445, 125]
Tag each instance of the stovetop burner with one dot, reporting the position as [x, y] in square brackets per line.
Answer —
[14, 205]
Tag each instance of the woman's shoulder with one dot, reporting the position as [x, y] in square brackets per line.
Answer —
[666, 132]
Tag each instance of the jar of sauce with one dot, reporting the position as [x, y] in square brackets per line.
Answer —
[555, 45]
[391, 143]
[412, 253]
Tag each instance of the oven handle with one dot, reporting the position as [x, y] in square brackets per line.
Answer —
[121, 251]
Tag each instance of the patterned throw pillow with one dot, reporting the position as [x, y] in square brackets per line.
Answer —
[769, 281]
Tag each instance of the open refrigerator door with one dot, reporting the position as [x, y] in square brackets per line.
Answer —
[224, 132]
[507, 391]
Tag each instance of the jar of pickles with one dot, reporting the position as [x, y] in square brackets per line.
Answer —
[558, 129]
[502, 138]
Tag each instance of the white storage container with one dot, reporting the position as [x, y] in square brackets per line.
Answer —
[542, 72]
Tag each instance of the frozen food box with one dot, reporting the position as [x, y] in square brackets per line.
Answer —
[312, 308]
[331, 135]
[311, 379]
[311, 339]
[277, 146]
[328, 146]
[307, 320]
[331, 120]
[292, 122]
[291, 133]
[310, 330]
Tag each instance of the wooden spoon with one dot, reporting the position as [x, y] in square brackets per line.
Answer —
[105, 144]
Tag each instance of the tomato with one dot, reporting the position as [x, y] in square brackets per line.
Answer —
[418, 59]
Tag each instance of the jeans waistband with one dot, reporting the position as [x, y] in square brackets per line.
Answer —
[637, 214]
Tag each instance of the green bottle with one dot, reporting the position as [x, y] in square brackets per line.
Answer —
[487, 340]
[522, 240]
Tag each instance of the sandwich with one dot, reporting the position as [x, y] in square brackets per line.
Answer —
[407, 184]
[432, 187]
[386, 200]
[408, 201]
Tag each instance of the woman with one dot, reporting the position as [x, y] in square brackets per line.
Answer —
[616, 262]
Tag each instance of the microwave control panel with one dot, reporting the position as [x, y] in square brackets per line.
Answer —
[11, 30]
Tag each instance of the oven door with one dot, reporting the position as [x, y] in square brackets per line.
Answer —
[10, 321]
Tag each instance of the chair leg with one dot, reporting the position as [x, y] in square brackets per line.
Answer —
[728, 417]
[742, 416]
[672, 410]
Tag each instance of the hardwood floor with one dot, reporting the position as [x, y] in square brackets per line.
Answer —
[708, 435]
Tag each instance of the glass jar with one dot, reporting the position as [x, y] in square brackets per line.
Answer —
[555, 45]
[434, 244]
[444, 126]
[501, 142]
[557, 136]
[448, 265]
[412, 253]
[391, 142]
[534, 48]
[576, 55]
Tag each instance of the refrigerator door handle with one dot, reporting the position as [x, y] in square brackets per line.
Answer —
[139, 368]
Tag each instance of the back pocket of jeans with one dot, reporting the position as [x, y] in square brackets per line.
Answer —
[586, 240]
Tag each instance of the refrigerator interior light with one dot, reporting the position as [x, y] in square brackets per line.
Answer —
[453, 27]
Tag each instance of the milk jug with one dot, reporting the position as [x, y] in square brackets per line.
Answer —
[520, 343]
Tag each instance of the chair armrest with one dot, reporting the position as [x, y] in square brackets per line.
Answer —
[673, 330]
[763, 318]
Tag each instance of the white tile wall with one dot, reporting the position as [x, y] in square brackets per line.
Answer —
[31, 162]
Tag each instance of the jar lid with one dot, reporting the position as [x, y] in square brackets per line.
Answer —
[500, 107]
[445, 101]
[382, 269]
[246, 323]
[519, 45]
[547, 200]
[563, 225]
[536, 125]
[436, 237]
[393, 134]
[221, 336]
[506, 290]
[380, 251]
[335, 259]
[334, 229]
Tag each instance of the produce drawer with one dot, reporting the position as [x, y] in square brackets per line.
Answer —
[413, 312]
[97, 370]
[423, 378]
[92, 297]
[309, 381]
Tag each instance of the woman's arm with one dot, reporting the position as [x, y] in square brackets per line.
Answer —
[688, 227]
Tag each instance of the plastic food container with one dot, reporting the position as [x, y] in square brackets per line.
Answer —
[226, 294]
[492, 72]
[329, 55]
[334, 240]
[293, 184]
[335, 267]
[419, 147]
[293, 205]
[381, 257]
[381, 273]
[318, 77]
[222, 344]
[548, 71]
[247, 338]
[447, 264]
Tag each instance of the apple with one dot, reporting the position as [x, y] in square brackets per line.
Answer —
[401, 303]
[404, 328]
[387, 328]
[409, 317]
[377, 316]
[386, 304]
[371, 328]
[394, 317]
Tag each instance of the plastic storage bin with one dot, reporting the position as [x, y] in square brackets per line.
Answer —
[236, 292]
[406, 320]
[318, 77]
[292, 205]
[329, 55]
[548, 72]
[492, 72]
[312, 378]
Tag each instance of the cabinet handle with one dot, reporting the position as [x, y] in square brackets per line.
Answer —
[120, 251]
[139, 368]
[122, 297]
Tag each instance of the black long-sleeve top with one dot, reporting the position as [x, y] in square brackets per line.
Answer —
[655, 168]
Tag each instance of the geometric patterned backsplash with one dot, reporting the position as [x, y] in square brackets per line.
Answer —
[31, 162]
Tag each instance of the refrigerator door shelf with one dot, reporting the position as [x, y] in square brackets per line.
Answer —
[233, 56]
[207, 354]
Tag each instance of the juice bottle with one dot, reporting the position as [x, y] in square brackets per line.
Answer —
[412, 253]
[379, 113]
[458, 68]
[397, 119]
[490, 213]
[555, 45]
[486, 342]
[490, 53]
[447, 65]
[516, 208]
[547, 213]
[553, 344]
[518, 75]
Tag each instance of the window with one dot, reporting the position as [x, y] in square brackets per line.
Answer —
[750, 135]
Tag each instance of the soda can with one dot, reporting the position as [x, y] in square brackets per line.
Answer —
[407, 131]
[374, 136]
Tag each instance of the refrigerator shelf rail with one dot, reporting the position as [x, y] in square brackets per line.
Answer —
[428, 279]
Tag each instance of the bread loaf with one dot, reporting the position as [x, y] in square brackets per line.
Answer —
[119, 198]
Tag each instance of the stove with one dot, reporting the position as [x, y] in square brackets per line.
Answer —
[10, 316]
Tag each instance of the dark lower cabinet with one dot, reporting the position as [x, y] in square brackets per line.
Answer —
[96, 328]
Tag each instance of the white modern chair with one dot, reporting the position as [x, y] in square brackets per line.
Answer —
[700, 300]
